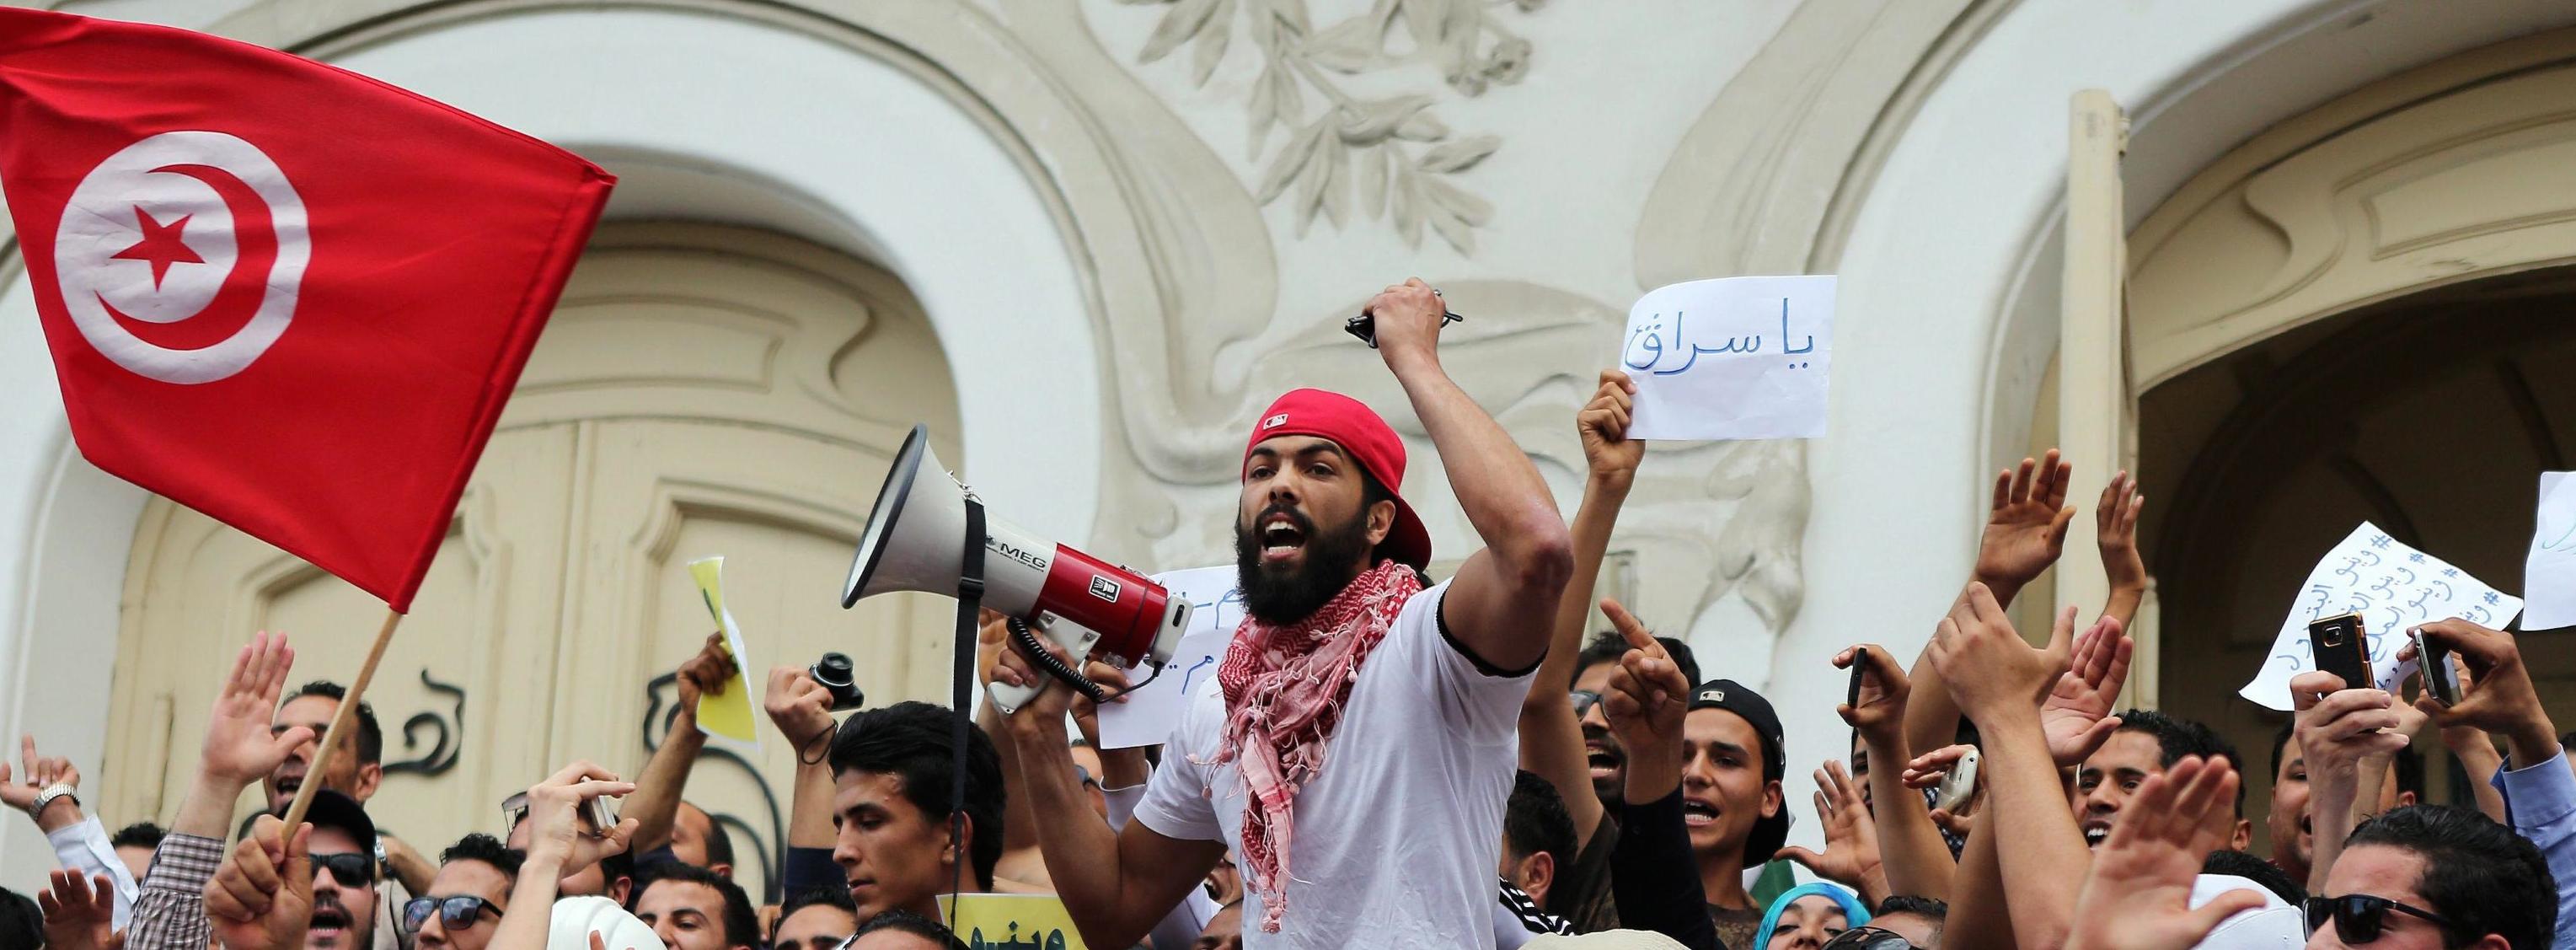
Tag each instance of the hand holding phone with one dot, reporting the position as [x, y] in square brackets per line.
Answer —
[2441, 679]
[2342, 647]
[1859, 666]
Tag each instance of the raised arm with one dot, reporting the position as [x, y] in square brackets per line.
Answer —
[2000, 682]
[556, 841]
[80, 842]
[1551, 736]
[2115, 526]
[1653, 878]
[1116, 885]
[2024, 535]
[656, 803]
[2337, 729]
[1915, 858]
[170, 911]
[1501, 603]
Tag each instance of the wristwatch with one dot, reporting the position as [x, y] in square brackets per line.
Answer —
[46, 797]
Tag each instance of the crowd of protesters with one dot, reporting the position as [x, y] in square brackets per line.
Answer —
[1386, 761]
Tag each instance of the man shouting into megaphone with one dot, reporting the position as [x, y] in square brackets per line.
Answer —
[1357, 744]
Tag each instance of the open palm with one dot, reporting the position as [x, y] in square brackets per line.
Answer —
[238, 744]
[2026, 529]
[2137, 895]
[2077, 713]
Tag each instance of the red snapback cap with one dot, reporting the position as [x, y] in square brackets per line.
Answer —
[1368, 440]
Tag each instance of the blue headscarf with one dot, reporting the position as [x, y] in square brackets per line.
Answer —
[1854, 914]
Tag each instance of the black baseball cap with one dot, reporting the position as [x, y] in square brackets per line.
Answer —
[1770, 833]
[331, 809]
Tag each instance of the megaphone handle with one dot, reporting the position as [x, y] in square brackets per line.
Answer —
[1026, 641]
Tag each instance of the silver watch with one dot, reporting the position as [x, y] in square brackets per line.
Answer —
[47, 796]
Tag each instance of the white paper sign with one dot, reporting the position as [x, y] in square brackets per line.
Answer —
[1149, 713]
[2393, 587]
[2549, 575]
[1731, 358]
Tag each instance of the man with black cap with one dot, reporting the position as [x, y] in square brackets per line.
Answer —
[1701, 796]
[1357, 743]
[329, 873]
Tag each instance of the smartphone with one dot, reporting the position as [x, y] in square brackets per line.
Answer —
[2341, 648]
[1860, 663]
[2441, 680]
[1958, 786]
[601, 819]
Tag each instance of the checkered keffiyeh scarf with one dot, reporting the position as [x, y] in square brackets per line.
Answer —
[1284, 690]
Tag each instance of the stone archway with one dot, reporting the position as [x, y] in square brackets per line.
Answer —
[2357, 314]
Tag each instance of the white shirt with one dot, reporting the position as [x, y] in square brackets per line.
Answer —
[1396, 839]
[85, 847]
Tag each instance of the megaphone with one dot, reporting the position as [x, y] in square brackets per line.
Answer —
[916, 541]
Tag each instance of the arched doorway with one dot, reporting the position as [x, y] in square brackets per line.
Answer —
[2359, 314]
[699, 391]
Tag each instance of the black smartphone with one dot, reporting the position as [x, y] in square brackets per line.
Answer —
[2441, 680]
[1860, 663]
[2342, 649]
[1364, 326]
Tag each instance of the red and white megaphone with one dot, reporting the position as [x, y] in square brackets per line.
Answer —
[916, 541]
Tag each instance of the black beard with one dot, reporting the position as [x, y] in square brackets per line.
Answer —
[1283, 598]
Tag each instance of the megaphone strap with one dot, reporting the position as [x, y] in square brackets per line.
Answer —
[970, 602]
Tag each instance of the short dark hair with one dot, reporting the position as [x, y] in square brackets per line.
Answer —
[911, 741]
[719, 841]
[1608, 646]
[22, 924]
[487, 849]
[904, 921]
[616, 867]
[2177, 737]
[1932, 907]
[2481, 875]
[371, 738]
[141, 834]
[2281, 742]
[824, 894]
[1535, 821]
[2257, 870]
[741, 927]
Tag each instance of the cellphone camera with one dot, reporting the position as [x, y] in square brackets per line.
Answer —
[836, 674]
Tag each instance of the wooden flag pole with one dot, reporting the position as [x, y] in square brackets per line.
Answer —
[340, 723]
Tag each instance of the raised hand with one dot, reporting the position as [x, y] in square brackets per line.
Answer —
[1929, 770]
[1408, 317]
[1884, 688]
[1603, 426]
[262, 897]
[799, 707]
[80, 914]
[1991, 671]
[239, 749]
[2138, 893]
[2115, 526]
[1851, 856]
[555, 834]
[41, 772]
[2496, 696]
[2076, 716]
[706, 673]
[1645, 703]
[2026, 529]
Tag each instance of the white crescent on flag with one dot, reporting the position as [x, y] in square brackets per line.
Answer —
[180, 257]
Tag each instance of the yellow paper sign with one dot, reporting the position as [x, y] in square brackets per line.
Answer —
[1010, 922]
[726, 713]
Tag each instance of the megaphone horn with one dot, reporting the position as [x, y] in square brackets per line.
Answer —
[915, 541]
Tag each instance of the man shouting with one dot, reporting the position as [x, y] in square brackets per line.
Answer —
[1356, 747]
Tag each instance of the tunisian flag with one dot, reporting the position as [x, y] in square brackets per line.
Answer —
[283, 294]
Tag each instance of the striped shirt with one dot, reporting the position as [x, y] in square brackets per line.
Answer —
[170, 914]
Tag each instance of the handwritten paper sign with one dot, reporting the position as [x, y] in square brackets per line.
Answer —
[2393, 587]
[1731, 358]
[1010, 921]
[727, 713]
[1147, 717]
[2549, 574]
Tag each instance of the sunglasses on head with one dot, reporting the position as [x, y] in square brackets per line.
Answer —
[2360, 918]
[1868, 938]
[351, 870]
[1583, 701]
[458, 913]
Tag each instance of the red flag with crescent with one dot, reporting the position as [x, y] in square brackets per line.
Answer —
[286, 295]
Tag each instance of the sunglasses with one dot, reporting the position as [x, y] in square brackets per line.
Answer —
[1584, 700]
[2359, 918]
[1868, 938]
[458, 913]
[351, 870]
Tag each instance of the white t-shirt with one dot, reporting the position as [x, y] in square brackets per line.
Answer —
[1396, 840]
